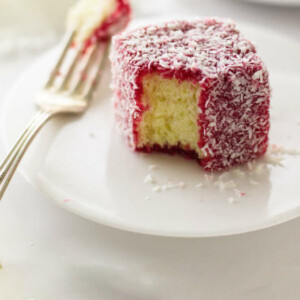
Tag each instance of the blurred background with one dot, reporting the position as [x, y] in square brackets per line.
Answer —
[31, 25]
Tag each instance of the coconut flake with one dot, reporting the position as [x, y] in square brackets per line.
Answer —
[149, 179]
[156, 189]
[231, 200]
[199, 185]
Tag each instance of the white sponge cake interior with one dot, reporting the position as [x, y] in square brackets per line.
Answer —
[171, 116]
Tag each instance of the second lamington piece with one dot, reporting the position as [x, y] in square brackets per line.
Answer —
[193, 87]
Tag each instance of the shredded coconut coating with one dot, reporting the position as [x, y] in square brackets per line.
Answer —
[235, 92]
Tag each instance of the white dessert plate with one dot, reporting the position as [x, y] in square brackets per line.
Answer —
[84, 165]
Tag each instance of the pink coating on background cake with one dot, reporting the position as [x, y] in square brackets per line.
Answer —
[114, 23]
[235, 92]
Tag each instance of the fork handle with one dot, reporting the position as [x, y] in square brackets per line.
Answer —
[12, 160]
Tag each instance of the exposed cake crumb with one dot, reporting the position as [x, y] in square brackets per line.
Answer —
[149, 179]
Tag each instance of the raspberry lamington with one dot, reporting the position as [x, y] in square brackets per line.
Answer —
[193, 87]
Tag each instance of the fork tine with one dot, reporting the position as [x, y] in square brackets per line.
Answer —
[7, 163]
[66, 80]
[97, 74]
[30, 124]
[79, 81]
[66, 42]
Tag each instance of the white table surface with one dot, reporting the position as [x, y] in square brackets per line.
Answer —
[48, 253]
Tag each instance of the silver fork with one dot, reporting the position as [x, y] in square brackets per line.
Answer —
[70, 96]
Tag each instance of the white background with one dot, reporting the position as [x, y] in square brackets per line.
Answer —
[47, 253]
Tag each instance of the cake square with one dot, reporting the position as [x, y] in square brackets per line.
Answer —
[195, 87]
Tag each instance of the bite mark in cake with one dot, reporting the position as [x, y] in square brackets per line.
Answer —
[170, 115]
[193, 87]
